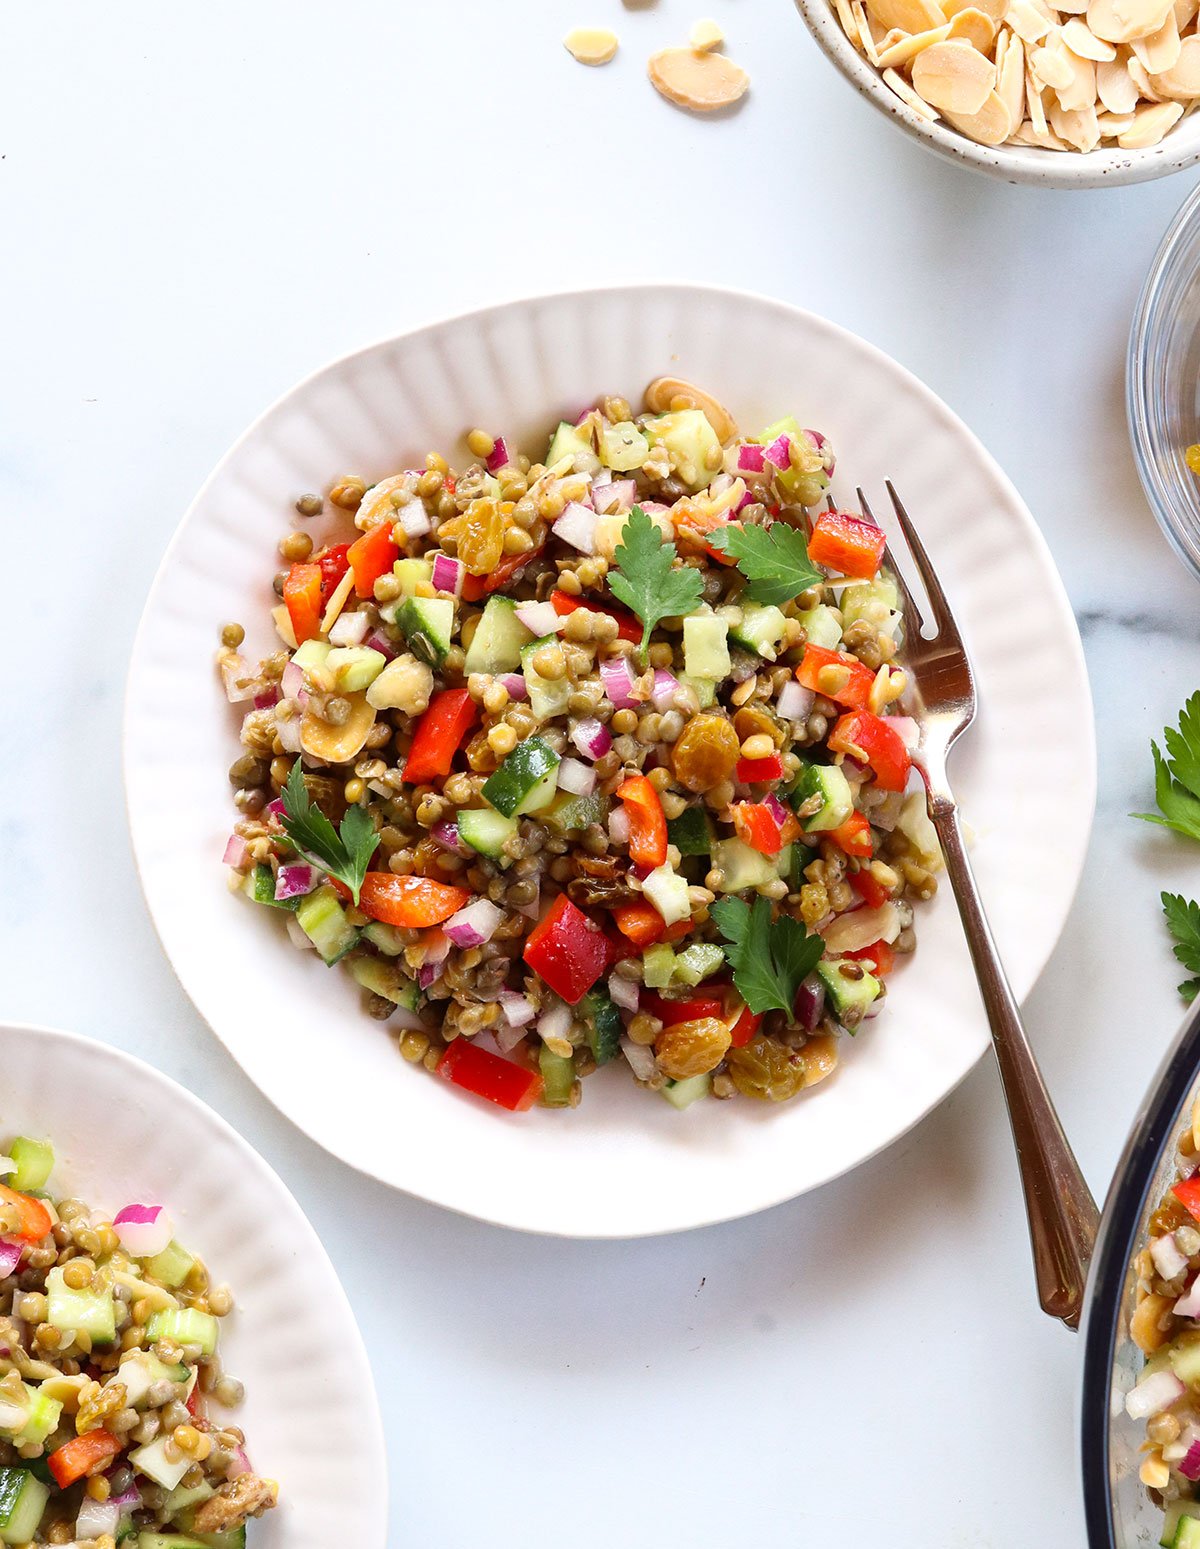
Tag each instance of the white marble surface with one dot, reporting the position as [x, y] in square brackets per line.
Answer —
[200, 203]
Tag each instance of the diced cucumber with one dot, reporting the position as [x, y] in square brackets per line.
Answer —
[658, 966]
[706, 689]
[383, 978]
[186, 1326]
[761, 629]
[312, 654]
[428, 626]
[558, 1076]
[487, 832]
[260, 886]
[384, 938]
[827, 782]
[1178, 1512]
[172, 1266]
[354, 667]
[849, 998]
[1184, 1358]
[413, 574]
[875, 602]
[821, 627]
[697, 962]
[682, 1094]
[693, 443]
[152, 1460]
[604, 1026]
[141, 1369]
[323, 920]
[176, 1540]
[741, 866]
[691, 832]
[34, 1159]
[84, 1312]
[498, 639]
[573, 441]
[520, 784]
[547, 696]
[623, 447]
[706, 646]
[1187, 1534]
[44, 1413]
[668, 892]
[22, 1502]
[185, 1497]
[805, 479]
[569, 813]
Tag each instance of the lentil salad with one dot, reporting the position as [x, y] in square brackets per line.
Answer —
[108, 1377]
[592, 759]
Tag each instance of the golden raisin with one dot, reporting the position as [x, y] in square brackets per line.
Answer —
[706, 753]
[478, 534]
[691, 1048]
[1192, 458]
[764, 1069]
[1169, 1215]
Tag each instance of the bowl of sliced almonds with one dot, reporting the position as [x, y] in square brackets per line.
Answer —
[1066, 93]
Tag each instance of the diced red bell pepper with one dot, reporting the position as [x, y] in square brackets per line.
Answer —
[628, 628]
[854, 836]
[36, 1220]
[759, 771]
[1187, 1192]
[879, 957]
[439, 735]
[567, 949]
[487, 1075]
[669, 1012]
[302, 598]
[854, 693]
[414, 902]
[871, 892]
[756, 825]
[81, 1454]
[476, 587]
[869, 738]
[647, 821]
[334, 564]
[847, 545]
[372, 556]
[745, 1028]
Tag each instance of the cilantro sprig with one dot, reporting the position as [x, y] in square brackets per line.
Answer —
[344, 852]
[647, 578]
[774, 559]
[1177, 775]
[770, 961]
[1183, 921]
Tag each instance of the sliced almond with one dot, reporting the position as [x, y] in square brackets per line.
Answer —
[1113, 124]
[1072, 7]
[1160, 50]
[591, 45]
[1052, 65]
[890, 38]
[1037, 106]
[1028, 24]
[1120, 21]
[1081, 40]
[954, 77]
[1140, 77]
[910, 46]
[990, 126]
[668, 394]
[701, 82]
[864, 32]
[1182, 80]
[975, 27]
[909, 97]
[1149, 125]
[1077, 126]
[993, 8]
[909, 15]
[1185, 14]
[849, 25]
[1080, 93]
[1047, 141]
[705, 35]
[1010, 77]
[1115, 88]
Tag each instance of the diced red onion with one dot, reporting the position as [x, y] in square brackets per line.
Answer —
[554, 1022]
[237, 853]
[1189, 1467]
[613, 497]
[578, 778]
[448, 574]
[240, 1464]
[428, 974]
[295, 881]
[577, 526]
[436, 944]
[617, 677]
[349, 628]
[414, 519]
[624, 992]
[810, 1004]
[746, 500]
[540, 617]
[275, 808]
[515, 683]
[778, 454]
[795, 702]
[378, 641]
[474, 925]
[267, 697]
[591, 737]
[1167, 1258]
[143, 1230]
[517, 1010]
[907, 730]
[297, 936]
[583, 414]
[821, 442]
[292, 681]
[448, 837]
[855, 929]
[97, 1519]
[743, 666]
[235, 671]
[662, 695]
[129, 1499]
[618, 825]
[641, 1058]
[776, 808]
[288, 733]
[10, 1256]
[750, 458]
[499, 456]
[653, 507]
[1188, 1305]
[1153, 1394]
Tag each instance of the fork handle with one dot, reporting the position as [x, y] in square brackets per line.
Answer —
[1063, 1219]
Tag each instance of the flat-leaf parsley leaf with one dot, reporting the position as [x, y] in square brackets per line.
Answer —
[344, 853]
[774, 559]
[1177, 775]
[770, 961]
[1183, 921]
[647, 578]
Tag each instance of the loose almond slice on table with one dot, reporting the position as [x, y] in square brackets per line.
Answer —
[1010, 77]
[591, 45]
[1150, 124]
[702, 82]
[975, 27]
[1160, 50]
[1077, 126]
[1115, 87]
[909, 15]
[705, 35]
[1120, 21]
[909, 97]
[908, 47]
[1081, 40]
[954, 77]
[990, 126]
[1182, 80]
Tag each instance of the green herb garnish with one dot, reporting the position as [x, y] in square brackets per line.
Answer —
[1177, 775]
[770, 960]
[1183, 921]
[344, 853]
[774, 559]
[648, 580]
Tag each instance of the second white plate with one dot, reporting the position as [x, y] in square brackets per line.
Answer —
[623, 1164]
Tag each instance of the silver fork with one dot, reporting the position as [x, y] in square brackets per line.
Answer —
[1063, 1218]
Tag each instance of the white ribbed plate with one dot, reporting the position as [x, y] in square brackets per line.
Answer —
[122, 1132]
[624, 1163]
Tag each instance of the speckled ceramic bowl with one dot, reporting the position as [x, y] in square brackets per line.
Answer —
[1014, 163]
